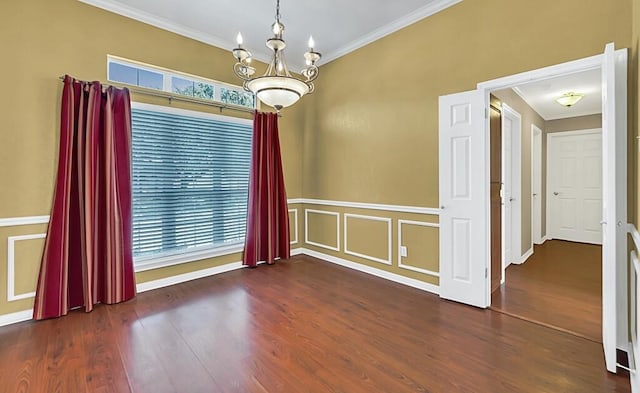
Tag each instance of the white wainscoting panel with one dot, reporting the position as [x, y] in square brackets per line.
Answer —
[306, 229]
[400, 244]
[11, 266]
[387, 261]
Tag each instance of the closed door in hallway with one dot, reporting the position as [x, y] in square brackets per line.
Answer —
[574, 187]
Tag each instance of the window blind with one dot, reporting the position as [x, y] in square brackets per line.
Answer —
[190, 181]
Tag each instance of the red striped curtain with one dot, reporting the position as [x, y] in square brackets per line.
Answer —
[87, 256]
[267, 237]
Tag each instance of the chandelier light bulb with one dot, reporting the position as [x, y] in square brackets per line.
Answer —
[311, 42]
[239, 39]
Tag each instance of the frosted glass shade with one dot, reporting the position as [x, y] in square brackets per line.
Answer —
[278, 91]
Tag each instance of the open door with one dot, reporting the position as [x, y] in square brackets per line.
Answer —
[614, 202]
[463, 199]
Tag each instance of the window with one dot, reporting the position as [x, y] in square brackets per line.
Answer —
[151, 77]
[190, 182]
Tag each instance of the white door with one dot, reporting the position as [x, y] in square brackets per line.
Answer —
[464, 227]
[507, 197]
[574, 187]
[512, 189]
[614, 213]
[536, 184]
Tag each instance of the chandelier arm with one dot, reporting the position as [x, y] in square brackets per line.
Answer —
[242, 71]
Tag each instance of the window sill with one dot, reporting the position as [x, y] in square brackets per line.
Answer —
[142, 264]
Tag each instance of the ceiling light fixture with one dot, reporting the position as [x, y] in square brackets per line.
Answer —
[569, 99]
[277, 87]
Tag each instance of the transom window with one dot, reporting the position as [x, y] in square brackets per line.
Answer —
[151, 77]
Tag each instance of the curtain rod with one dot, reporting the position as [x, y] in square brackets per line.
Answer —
[171, 97]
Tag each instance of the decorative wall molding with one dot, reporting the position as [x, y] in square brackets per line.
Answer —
[387, 261]
[409, 267]
[306, 229]
[11, 266]
[425, 286]
[431, 8]
[295, 220]
[16, 221]
[369, 206]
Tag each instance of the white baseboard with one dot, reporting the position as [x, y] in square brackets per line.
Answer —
[374, 271]
[25, 315]
[20, 316]
[524, 257]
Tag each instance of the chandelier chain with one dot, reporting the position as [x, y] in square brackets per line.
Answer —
[278, 11]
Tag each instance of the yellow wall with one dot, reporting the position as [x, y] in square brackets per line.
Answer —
[374, 133]
[42, 40]
[368, 134]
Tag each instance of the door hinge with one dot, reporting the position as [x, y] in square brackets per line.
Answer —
[486, 272]
[486, 113]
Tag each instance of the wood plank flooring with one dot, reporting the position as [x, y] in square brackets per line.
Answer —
[559, 286]
[299, 326]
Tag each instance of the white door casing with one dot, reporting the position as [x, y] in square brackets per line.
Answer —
[614, 203]
[536, 184]
[464, 235]
[574, 186]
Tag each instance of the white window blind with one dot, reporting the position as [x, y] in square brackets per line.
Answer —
[190, 180]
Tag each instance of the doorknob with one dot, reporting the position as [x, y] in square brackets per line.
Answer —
[512, 199]
[535, 194]
[442, 207]
[555, 193]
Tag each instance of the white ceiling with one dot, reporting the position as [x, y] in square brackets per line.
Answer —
[541, 96]
[337, 26]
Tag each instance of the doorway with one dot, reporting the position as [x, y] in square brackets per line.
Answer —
[464, 141]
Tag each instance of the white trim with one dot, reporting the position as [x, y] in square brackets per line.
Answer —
[388, 261]
[374, 271]
[536, 130]
[295, 201]
[11, 266]
[180, 278]
[635, 235]
[306, 229]
[165, 24]
[409, 267]
[369, 206]
[191, 113]
[400, 23]
[142, 264]
[20, 316]
[16, 221]
[585, 64]
[525, 256]
[295, 213]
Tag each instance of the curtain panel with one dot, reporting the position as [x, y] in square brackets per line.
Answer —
[87, 257]
[267, 235]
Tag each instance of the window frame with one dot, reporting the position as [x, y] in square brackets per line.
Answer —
[171, 258]
[167, 85]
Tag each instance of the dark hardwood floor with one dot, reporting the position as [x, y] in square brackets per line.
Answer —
[559, 286]
[299, 326]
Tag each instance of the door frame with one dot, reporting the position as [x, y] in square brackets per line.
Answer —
[585, 64]
[553, 136]
[536, 233]
[516, 190]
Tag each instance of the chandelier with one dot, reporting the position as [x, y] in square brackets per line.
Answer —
[277, 87]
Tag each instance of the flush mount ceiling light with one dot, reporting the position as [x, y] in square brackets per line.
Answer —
[277, 87]
[569, 99]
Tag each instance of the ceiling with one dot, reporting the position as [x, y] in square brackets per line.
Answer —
[337, 26]
[541, 95]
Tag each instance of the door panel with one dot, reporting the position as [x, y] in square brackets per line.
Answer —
[575, 186]
[463, 233]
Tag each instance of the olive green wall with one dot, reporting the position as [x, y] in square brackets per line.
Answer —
[42, 40]
[573, 123]
[368, 134]
[373, 132]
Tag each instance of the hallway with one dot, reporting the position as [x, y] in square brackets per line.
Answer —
[559, 286]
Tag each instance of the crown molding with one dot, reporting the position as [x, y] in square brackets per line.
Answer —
[166, 24]
[400, 23]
